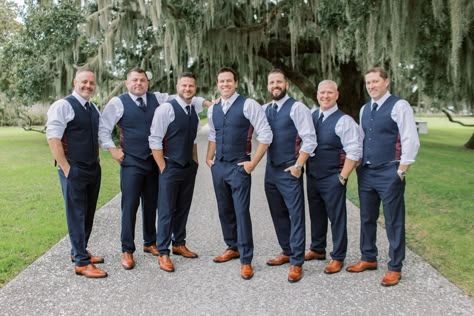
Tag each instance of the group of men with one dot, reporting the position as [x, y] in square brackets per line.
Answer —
[158, 160]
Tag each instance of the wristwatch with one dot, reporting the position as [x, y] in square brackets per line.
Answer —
[401, 173]
[298, 167]
[342, 178]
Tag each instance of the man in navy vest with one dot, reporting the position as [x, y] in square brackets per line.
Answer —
[390, 146]
[72, 132]
[337, 154]
[172, 140]
[291, 124]
[133, 112]
[231, 125]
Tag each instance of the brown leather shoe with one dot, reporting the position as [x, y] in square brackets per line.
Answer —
[295, 274]
[151, 249]
[127, 261]
[334, 266]
[165, 263]
[90, 271]
[278, 261]
[229, 254]
[92, 258]
[246, 271]
[311, 255]
[362, 266]
[184, 251]
[391, 278]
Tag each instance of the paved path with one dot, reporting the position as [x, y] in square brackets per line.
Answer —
[201, 287]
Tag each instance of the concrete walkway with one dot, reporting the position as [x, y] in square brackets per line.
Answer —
[201, 287]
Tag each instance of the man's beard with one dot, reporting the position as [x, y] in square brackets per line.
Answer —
[279, 96]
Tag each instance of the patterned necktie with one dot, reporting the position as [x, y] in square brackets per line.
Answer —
[188, 109]
[141, 104]
[374, 109]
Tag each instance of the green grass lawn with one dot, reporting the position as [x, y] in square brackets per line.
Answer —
[440, 201]
[32, 216]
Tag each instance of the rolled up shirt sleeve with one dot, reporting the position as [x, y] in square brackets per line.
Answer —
[349, 133]
[212, 131]
[303, 121]
[59, 115]
[402, 114]
[112, 113]
[256, 115]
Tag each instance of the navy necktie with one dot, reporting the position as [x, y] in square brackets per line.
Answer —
[87, 106]
[188, 109]
[320, 119]
[374, 109]
[141, 104]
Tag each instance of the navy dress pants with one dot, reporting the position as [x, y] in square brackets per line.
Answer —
[327, 200]
[285, 196]
[232, 187]
[375, 185]
[138, 184]
[174, 197]
[80, 191]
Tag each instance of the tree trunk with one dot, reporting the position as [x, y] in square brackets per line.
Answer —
[351, 89]
[470, 142]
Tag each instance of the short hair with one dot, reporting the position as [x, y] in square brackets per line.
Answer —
[187, 75]
[137, 69]
[327, 82]
[81, 70]
[278, 71]
[228, 69]
[380, 70]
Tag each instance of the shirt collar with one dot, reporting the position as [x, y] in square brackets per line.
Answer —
[182, 103]
[135, 97]
[232, 98]
[79, 98]
[381, 100]
[281, 101]
[326, 113]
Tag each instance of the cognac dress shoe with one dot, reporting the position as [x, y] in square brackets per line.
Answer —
[278, 261]
[246, 271]
[334, 266]
[165, 263]
[362, 266]
[127, 261]
[184, 251]
[151, 249]
[229, 254]
[295, 274]
[312, 255]
[90, 271]
[92, 258]
[391, 278]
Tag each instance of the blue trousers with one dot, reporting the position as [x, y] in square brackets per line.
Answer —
[174, 197]
[285, 196]
[327, 200]
[376, 185]
[232, 187]
[138, 184]
[80, 192]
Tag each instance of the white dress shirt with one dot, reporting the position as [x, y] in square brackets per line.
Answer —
[252, 112]
[113, 112]
[60, 113]
[163, 117]
[402, 114]
[348, 131]
[301, 117]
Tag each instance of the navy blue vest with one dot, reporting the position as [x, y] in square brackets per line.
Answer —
[233, 132]
[179, 139]
[382, 138]
[286, 142]
[329, 155]
[135, 126]
[81, 137]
